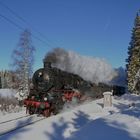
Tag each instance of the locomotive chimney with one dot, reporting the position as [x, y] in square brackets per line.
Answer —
[47, 65]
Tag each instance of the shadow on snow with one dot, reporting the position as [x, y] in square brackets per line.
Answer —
[100, 129]
[19, 130]
[86, 129]
[59, 129]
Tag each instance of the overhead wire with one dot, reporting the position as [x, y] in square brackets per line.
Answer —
[21, 28]
[27, 23]
[19, 17]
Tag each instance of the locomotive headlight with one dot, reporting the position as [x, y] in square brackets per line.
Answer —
[40, 74]
[45, 98]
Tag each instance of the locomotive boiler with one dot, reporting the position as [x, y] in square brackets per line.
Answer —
[49, 77]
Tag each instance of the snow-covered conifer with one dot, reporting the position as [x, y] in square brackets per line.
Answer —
[133, 60]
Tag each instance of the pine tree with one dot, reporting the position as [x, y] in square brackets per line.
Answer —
[23, 61]
[133, 61]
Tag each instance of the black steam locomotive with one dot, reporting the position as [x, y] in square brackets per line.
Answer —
[53, 87]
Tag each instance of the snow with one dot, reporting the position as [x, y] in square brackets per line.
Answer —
[12, 116]
[89, 121]
[20, 95]
[7, 93]
[11, 125]
[107, 93]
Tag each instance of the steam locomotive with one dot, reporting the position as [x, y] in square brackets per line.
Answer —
[53, 87]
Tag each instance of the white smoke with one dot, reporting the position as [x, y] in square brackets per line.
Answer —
[89, 68]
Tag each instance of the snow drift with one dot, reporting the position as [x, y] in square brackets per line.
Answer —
[89, 68]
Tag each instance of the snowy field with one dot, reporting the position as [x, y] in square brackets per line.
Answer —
[89, 121]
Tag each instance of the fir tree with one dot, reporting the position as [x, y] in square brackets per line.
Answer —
[133, 61]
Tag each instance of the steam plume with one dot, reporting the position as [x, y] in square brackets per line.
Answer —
[91, 69]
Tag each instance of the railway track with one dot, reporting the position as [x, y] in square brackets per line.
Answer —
[14, 124]
[18, 123]
[14, 119]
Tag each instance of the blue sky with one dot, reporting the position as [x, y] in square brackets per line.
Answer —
[97, 28]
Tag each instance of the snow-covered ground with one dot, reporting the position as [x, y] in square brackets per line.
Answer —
[7, 93]
[85, 122]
